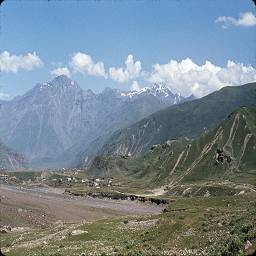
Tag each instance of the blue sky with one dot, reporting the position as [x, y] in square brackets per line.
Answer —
[153, 32]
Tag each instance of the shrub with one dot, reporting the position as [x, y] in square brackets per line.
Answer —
[233, 247]
[246, 227]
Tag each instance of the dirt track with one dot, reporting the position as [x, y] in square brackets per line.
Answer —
[40, 207]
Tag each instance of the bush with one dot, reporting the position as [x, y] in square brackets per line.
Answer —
[246, 227]
[233, 248]
[251, 235]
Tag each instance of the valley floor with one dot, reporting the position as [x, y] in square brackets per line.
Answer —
[42, 206]
[46, 222]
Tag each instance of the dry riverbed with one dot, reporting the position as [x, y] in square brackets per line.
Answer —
[41, 206]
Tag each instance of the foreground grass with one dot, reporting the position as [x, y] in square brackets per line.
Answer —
[192, 226]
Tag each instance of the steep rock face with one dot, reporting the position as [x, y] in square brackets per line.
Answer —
[224, 153]
[10, 160]
[45, 120]
[55, 122]
[188, 119]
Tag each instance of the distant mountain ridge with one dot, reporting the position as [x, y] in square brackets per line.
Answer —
[188, 119]
[55, 122]
[161, 91]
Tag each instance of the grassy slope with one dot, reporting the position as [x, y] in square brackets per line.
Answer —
[193, 161]
[202, 225]
[193, 226]
[189, 119]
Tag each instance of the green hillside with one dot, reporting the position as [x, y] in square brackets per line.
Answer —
[189, 119]
[225, 154]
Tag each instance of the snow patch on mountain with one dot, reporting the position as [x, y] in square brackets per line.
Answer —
[159, 90]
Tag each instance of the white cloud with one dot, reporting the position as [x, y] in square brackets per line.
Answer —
[13, 63]
[61, 71]
[135, 86]
[4, 96]
[186, 77]
[247, 19]
[132, 71]
[83, 63]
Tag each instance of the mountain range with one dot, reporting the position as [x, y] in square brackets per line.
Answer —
[189, 119]
[56, 123]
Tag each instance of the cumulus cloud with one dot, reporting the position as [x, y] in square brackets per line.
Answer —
[122, 75]
[247, 19]
[186, 77]
[13, 63]
[135, 86]
[61, 71]
[83, 63]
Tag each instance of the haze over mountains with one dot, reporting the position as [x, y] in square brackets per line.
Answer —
[55, 123]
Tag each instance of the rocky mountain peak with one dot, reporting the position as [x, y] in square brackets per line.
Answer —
[60, 87]
[63, 81]
[58, 117]
[111, 91]
[161, 89]
[58, 83]
[89, 93]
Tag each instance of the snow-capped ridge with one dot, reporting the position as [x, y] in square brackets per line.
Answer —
[159, 90]
[61, 85]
